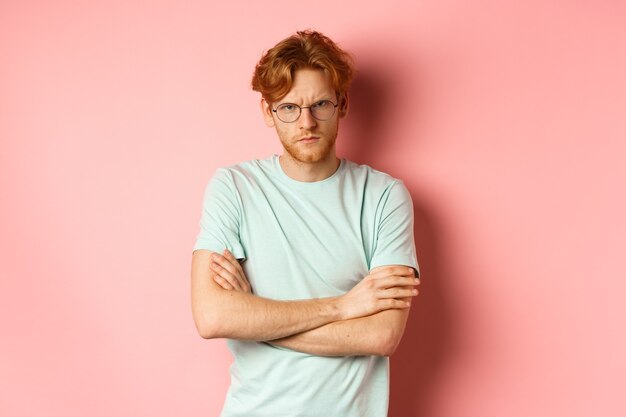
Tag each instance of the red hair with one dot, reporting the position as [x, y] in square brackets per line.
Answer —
[273, 75]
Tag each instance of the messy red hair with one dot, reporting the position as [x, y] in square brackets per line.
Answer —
[273, 75]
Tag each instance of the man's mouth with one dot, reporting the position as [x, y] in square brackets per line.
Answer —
[309, 139]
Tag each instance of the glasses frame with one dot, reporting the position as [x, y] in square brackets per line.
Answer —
[335, 105]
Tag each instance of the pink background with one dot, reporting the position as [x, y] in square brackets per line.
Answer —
[505, 119]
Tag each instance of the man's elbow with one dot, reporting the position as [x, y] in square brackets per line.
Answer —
[388, 348]
[207, 332]
[388, 342]
[208, 325]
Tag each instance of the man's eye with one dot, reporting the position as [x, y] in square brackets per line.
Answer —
[321, 104]
[288, 107]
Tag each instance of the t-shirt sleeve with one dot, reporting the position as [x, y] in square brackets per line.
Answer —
[395, 244]
[221, 216]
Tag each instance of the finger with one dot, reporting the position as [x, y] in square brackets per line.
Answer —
[229, 255]
[222, 282]
[237, 280]
[395, 281]
[395, 270]
[226, 275]
[392, 270]
[237, 270]
[378, 269]
[397, 292]
[235, 262]
[392, 303]
[228, 265]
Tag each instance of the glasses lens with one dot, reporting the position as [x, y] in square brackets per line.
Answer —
[288, 112]
[323, 110]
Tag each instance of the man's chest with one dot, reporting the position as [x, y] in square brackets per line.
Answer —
[300, 247]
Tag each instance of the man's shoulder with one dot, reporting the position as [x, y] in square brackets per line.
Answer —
[250, 164]
[372, 175]
[248, 168]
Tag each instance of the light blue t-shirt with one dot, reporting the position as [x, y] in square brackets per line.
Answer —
[302, 240]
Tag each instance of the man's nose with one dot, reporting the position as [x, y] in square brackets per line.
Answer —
[307, 121]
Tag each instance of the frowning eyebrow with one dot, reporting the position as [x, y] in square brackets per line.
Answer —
[295, 101]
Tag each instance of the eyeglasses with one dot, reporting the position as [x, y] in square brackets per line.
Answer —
[320, 110]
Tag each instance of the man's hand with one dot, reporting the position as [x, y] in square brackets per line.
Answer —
[381, 290]
[229, 273]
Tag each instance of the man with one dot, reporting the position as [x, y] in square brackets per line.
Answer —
[304, 261]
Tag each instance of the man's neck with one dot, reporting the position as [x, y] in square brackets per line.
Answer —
[309, 172]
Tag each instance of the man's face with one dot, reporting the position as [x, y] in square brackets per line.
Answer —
[307, 140]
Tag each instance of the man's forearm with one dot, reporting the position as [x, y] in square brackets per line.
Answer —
[248, 317]
[236, 314]
[219, 312]
[239, 315]
[378, 334]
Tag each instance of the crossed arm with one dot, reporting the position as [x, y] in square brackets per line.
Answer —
[368, 320]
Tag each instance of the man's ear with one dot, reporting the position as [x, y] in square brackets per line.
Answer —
[266, 109]
[344, 104]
